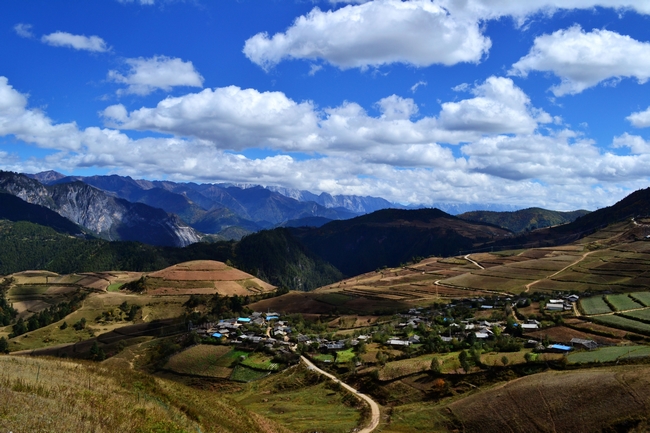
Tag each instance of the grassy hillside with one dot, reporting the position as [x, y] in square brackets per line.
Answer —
[610, 399]
[525, 219]
[82, 397]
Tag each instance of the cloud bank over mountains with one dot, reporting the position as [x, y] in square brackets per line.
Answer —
[486, 139]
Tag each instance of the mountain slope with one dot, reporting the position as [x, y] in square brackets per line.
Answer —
[102, 214]
[392, 236]
[524, 219]
[276, 256]
[15, 209]
[637, 204]
[207, 207]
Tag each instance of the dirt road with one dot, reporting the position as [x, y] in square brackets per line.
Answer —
[472, 261]
[374, 407]
[584, 256]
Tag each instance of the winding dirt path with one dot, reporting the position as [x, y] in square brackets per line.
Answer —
[584, 256]
[472, 261]
[374, 407]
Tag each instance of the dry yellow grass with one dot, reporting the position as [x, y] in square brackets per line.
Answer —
[43, 395]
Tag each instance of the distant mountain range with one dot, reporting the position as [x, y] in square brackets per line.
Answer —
[101, 214]
[177, 214]
[209, 208]
[303, 253]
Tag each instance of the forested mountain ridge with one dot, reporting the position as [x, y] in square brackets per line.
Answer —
[524, 219]
[392, 236]
[274, 256]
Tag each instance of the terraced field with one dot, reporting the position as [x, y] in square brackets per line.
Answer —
[640, 315]
[594, 305]
[537, 402]
[622, 302]
[204, 277]
[642, 298]
[609, 354]
[623, 323]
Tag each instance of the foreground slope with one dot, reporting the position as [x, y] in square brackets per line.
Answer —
[599, 399]
[108, 397]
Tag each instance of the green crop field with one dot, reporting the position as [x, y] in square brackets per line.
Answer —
[260, 361]
[229, 358]
[115, 287]
[609, 354]
[623, 323]
[594, 305]
[324, 358]
[344, 355]
[642, 297]
[245, 374]
[640, 315]
[623, 302]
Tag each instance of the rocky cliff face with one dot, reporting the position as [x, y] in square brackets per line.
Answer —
[104, 215]
[25, 188]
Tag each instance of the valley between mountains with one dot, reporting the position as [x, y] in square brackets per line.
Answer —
[119, 316]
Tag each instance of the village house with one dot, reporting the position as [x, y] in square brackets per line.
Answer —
[398, 343]
[587, 344]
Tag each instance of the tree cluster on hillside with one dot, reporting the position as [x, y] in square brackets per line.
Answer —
[7, 312]
[48, 316]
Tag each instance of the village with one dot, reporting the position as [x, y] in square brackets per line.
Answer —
[484, 323]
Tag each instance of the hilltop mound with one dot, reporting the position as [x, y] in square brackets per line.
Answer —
[204, 277]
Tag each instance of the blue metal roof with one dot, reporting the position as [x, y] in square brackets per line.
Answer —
[217, 335]
[560, 347]
[244, 319]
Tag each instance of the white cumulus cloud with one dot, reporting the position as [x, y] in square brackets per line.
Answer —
[159, 72]
[237, 119]
[78, 42]
[584, 59]
[640, 119]
[416, 32]
[391, 155]
[498, 107]
[234, 118]
[24, 30]
[636, 144]
[493, 9]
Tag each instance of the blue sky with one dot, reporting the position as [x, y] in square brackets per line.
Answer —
[537, 103]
